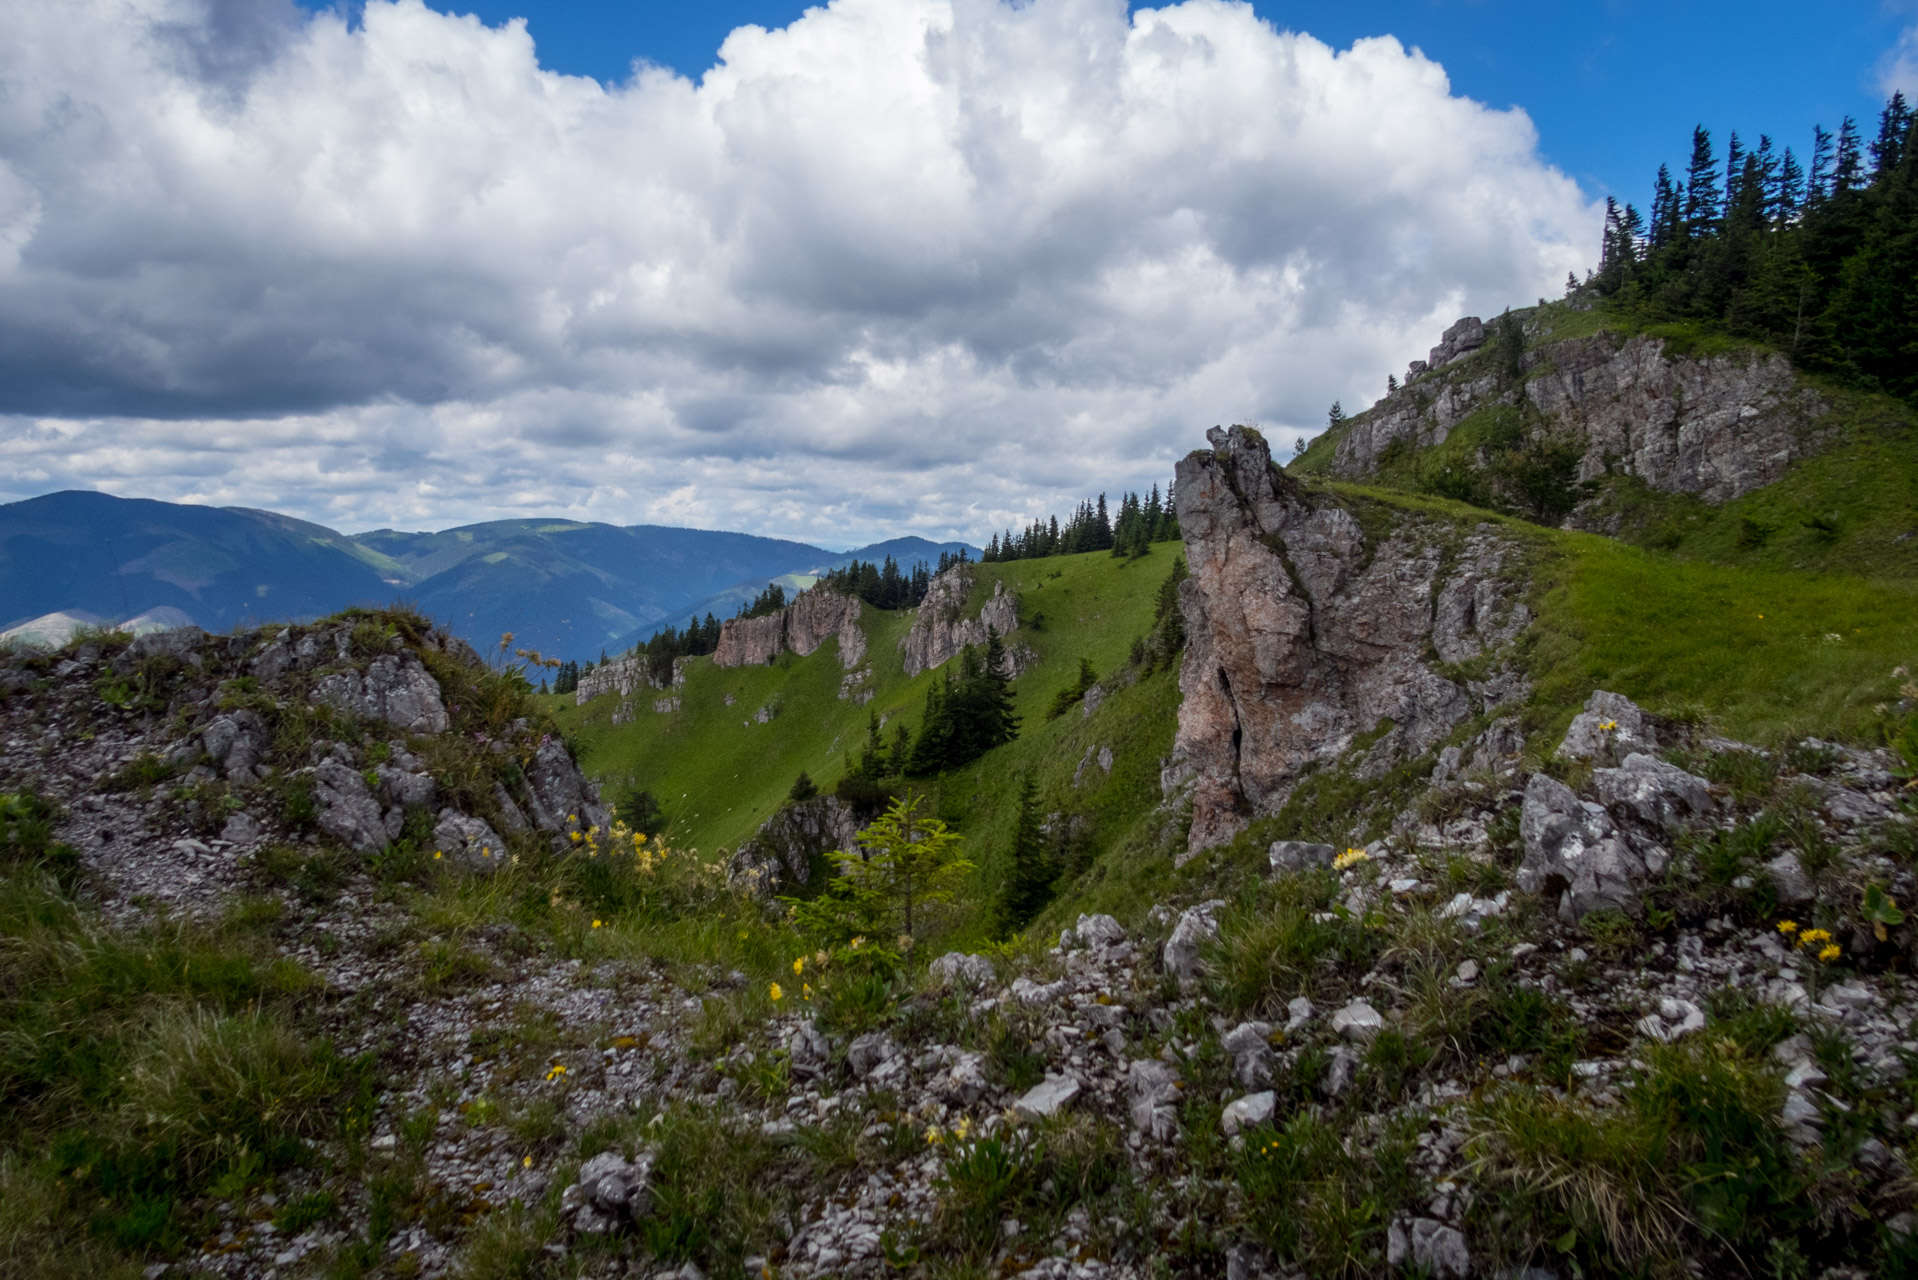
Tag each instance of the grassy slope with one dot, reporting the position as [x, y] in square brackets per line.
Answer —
[1852, 509]
[1680, 636]
[719, 775]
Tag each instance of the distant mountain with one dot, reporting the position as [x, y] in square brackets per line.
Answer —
[570, 589]
[116, 557]
[566, 588]
[907, 551]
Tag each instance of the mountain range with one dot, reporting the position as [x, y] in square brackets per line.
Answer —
[567, 588]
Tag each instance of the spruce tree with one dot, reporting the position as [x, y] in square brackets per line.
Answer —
[1030, 874]
[1701, 188]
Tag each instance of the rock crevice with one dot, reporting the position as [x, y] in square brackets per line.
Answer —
[1304, 633]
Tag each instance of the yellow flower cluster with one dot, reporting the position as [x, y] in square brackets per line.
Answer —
[555, 1071]
[1350, 858]
[1608, 726]
[1816, 941]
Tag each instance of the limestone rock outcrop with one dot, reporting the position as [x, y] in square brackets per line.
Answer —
[1304, 631]
[801, 627]
[788, 846]
[622, 675]
[395, 689]
[1717, 426]
[939, 631]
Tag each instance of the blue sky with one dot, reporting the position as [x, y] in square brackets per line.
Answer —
[1614, 86]
[897, 266]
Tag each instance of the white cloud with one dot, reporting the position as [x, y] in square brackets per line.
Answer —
[1898, 69]
[903, 264]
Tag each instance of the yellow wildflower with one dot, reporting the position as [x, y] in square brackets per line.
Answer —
[595, 924]
[798, 966]
[438, 854]
[1788, 926]
[933, 1136]
[1607, 726]
[527, 1163]
[1829, 953]
[777, 994]
[1350, 858]
[858, 942]
[1812, 937]
[805, 990]
[577, 837]
[963, 1128]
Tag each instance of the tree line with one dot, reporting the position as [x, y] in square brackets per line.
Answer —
[885, 585]
[1817, 257]
[1091, 527]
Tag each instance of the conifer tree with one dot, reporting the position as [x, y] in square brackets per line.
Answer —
[1701, 188]
[1031, 873]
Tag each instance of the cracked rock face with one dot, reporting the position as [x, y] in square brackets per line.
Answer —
[1573, 849]
[938, 631]
[802, 626]
[347, 810]
[1656, 796]
[395, 689]
[1717, 426]
[788, 845]
[1304, 632]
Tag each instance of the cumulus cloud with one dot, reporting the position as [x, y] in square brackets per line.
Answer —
[1898, 70]
[930, 264]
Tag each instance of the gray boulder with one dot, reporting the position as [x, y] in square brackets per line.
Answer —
[611, 1191]
[1299, 855]
[241, 828]
[1573, 849]
[1657, 796]
[347, 810]
[180, 643]
[1610, 728]
[868, 1053]
[809, 1049]
[1431, 1247]
[1099, 931]
[957, 969]
[1248, 1112]
[1358, 1021]
[1047, 1098]
[1153, 1090]
[468, 842]
[1197, 926]
[237, 740]
[395, 690]
[561, 799]
[1789, 879]
[1250, 1045]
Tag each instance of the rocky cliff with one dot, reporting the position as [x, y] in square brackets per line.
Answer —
[1306, 629]
[1717, 426]
[939, 631]
[622, 675]
[800, 627]
[362, 734]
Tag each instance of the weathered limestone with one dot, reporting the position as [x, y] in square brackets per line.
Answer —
[1716, 426]
[939, 633]
[396, 689]
[785, 849]
[801, 627]
[1303, 633]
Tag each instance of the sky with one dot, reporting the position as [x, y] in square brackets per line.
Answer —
[841, 273]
